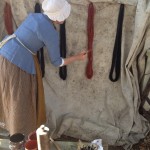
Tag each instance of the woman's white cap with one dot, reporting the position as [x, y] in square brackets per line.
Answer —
[56, 10]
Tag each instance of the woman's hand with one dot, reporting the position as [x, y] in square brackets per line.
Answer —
[82, 55]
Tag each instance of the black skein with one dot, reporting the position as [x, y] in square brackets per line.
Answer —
[116, 59]
[63, 69]
[40, 53]
[37, 8]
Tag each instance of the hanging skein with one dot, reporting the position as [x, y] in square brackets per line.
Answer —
[90, 35]
[8, 19]
[116, 60]
[40, 53]
[37, 8]
[63, 69]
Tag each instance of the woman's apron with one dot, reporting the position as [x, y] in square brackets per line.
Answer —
[40, 105]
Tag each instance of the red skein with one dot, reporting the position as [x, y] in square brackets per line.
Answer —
[8, 18]
[90, 35]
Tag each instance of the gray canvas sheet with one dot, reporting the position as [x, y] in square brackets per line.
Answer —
[98, 108]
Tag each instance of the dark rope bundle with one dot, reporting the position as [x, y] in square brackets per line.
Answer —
[40, 53]
[90, 35]
[116, 60]
[63, 69]
[8, 19]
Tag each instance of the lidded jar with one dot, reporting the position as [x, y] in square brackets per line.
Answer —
[17, 141]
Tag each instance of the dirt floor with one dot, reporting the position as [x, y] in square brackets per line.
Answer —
[144, 144]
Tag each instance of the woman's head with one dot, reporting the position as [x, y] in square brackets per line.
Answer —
[56, 10]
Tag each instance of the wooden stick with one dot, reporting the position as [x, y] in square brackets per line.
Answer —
[56, 145]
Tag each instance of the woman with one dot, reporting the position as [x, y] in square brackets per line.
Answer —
[18, 66]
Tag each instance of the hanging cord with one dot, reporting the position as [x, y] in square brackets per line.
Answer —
[116, 60]
[90, 35]
[40, 53]
[8, 18]
[63, 69]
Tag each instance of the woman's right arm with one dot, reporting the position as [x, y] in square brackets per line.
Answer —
[79, 57]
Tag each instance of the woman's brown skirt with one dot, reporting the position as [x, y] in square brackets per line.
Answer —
[18, 94]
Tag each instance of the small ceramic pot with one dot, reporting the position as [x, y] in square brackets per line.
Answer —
[31, 145]
[32, 136]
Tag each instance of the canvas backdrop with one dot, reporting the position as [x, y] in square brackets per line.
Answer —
[97, 108]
